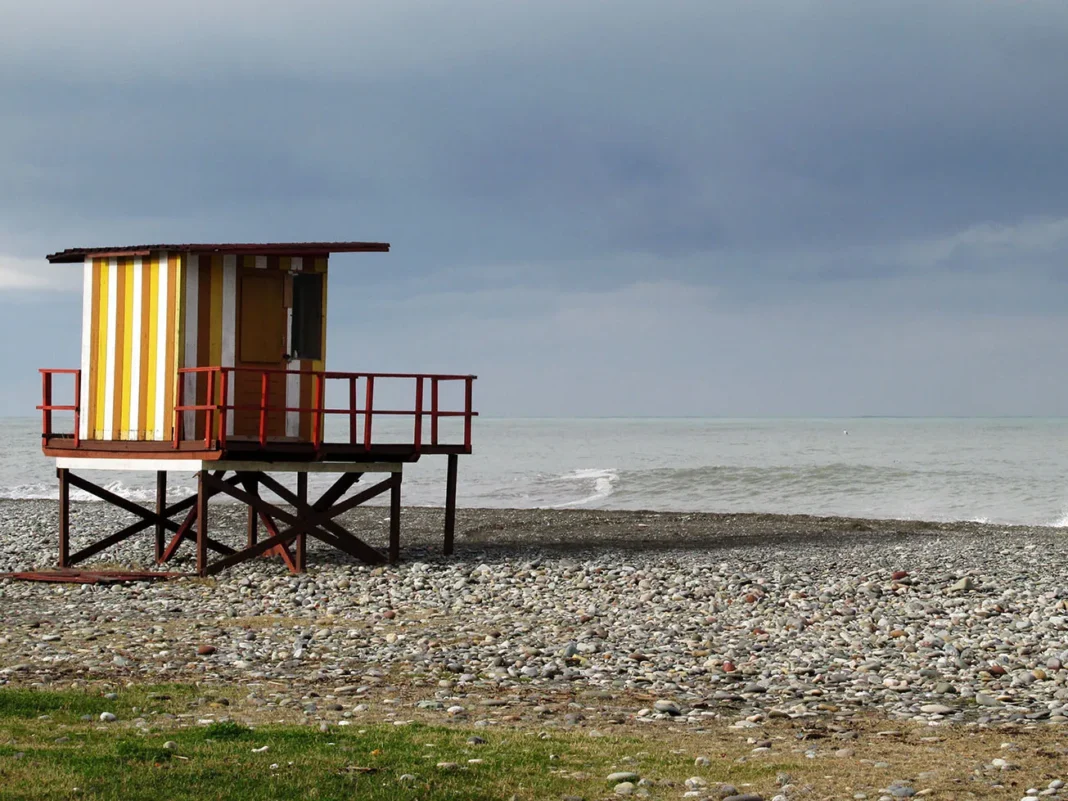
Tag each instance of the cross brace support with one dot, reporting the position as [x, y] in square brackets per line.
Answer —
[287, 528]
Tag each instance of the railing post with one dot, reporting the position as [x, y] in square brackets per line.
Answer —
[468, 391]
[46, 404]
[77, 407]
[352, 410]
[418, 413]
[433, 411]
[369, 401]
[179, 412]
[209, 411]
[223, 402]
[264, 386]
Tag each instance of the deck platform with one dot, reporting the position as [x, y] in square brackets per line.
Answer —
[202, 442]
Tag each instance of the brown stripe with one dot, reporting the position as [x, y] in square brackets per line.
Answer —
[94, 349]
[172, 333]
[203, 334]
[272, 263]
[146, 317]
[120, 338]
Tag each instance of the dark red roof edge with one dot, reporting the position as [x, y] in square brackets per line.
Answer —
[73, 255]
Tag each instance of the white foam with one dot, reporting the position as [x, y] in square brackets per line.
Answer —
[604, 484]
[50, 492]
[1061, 522]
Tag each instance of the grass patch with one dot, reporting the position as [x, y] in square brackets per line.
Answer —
[49, 758]
[19, 703]
[226, 730]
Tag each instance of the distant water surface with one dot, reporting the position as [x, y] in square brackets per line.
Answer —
[993, 470]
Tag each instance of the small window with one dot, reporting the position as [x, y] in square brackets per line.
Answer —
[307, 333]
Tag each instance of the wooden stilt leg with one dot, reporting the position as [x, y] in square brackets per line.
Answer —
[450, 503]
[202, 525]
[64, 517]
[300, 545]
[161, 506]
[394, 518]
[253, 516]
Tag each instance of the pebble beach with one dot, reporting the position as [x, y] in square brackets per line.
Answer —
[576, 618]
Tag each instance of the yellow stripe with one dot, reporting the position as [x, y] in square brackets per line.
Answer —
[129, 325]
[148, 381]
[216, 311]
[101, 352]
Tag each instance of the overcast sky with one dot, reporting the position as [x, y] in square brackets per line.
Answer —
[687, 207]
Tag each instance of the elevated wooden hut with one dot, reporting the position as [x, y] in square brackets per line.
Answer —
[211, 359]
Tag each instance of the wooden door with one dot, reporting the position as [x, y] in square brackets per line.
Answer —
[261, 345]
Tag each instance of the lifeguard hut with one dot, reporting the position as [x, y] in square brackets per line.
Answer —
[211, 359]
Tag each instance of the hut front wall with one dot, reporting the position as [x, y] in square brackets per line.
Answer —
[129, 347]
[210, 326]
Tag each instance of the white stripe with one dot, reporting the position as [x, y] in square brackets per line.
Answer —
[295, 264]
[192, 300]
[135, 352]
[162, 335]
[293, 399]
[87, 339]
[229, 328]
[109, 357]
[292, 381]
[261, 262]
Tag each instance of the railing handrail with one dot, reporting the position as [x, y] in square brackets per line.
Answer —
[333, 374]
[217, 376]
[318, 410]
[46, 407]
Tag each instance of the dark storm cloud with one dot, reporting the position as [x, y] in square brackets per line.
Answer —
[784, 161]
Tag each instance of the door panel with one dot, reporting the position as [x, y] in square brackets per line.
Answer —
[261, 344]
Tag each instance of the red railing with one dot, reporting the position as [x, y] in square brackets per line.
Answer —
[217, 408]
[46, 406]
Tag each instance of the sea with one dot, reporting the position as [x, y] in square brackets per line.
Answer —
[1004, 470]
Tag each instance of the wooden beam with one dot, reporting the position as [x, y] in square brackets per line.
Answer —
[202, 522]
[394, 517]
[450, 503]
[253, 518]
[301, 543]
[64, 517]
[161, 507]
[107, 542]
[318, 524]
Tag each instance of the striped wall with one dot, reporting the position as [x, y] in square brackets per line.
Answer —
[130, 309]
[142, 317]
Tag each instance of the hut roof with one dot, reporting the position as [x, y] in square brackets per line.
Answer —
[76, 255]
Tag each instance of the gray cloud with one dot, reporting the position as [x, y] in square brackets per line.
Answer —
[729, 185]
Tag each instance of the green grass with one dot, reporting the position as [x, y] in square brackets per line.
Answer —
[48, 758]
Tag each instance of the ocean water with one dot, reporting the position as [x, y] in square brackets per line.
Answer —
[991, 470]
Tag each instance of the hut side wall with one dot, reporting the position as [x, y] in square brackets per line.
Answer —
[210, 331]
[129, 348]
